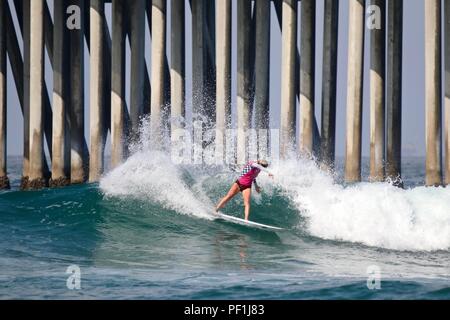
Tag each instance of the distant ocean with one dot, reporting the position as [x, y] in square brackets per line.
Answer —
[146, 232]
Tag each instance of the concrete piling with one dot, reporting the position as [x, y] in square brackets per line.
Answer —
[307, 76]
[262, 75]
[137, 39]
[288, 79]
[118, 104]
[203, 73]
[329, 83]
[447, 91]
[433, 99]
[26, 93]
[61, 100]
[354, 90]
[97, 107]
[4, 181]
[158, 58]
[199, 53]
[177, 65]
[378, 95]
[244, 12]
[21, 73]
[36, 164]
[394, 92]
[223, 69]
[78, 152]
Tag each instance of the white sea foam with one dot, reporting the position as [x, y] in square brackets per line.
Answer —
[150, 175]
[376, 214]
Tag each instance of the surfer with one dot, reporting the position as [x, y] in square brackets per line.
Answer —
[244, 184]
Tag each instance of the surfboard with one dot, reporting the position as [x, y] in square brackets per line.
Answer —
[245, 223]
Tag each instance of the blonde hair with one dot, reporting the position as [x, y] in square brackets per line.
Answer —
[264, 163]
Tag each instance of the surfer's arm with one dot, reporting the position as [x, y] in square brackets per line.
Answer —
[257, 188]
[260, 167]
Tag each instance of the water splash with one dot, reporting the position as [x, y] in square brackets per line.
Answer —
[150, 174]
[373, 214]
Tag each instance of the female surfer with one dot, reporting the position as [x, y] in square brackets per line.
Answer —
[244, 184]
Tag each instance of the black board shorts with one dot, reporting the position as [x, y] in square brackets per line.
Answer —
[242, 187]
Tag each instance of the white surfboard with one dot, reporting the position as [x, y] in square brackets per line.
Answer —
[246, 223]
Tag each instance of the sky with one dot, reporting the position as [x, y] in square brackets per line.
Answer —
[413, 136]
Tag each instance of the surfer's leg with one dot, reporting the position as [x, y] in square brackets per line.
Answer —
[234, 190]
[247, 193]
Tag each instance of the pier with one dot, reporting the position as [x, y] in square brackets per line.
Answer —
[54, 122]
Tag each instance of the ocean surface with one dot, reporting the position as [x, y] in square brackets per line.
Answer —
[146, 232]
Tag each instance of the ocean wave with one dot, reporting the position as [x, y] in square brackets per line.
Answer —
[150, 175]
[374, 214]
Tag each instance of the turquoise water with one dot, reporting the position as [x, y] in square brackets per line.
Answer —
[145, 232]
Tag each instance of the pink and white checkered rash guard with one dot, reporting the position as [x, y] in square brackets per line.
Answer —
[249, 173]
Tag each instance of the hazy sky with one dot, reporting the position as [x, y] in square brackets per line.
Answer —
[413, 77]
